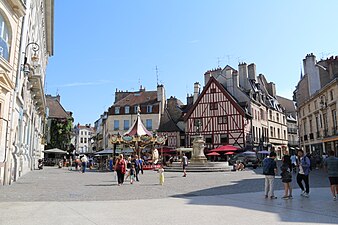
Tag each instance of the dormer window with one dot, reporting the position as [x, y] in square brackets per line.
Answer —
[117, 110]
[149, 108]
[135, 108]
[127, 109]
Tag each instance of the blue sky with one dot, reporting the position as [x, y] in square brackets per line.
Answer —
[104, 45]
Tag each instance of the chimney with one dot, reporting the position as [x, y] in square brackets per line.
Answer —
[207, 76]
[272, 89]
[312, 71]
[252, 71]
[161, 97]
[197, 88]
[243, 75]
[235, 79]
[190, 100]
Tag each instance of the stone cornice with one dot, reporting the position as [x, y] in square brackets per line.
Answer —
[18, 7]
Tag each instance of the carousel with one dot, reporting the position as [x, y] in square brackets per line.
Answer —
[139, 138]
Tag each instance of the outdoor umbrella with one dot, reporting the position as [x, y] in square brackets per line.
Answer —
[229, 153]
[55, 150]
[105, 151]
[263, 152]
[226, 148]
[213, 153]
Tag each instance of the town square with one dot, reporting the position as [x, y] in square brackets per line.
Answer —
[168, 112]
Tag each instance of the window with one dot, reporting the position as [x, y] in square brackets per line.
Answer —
[334, 119]
[4, 38]
[213, 90]
[271, 131]
[317, 123]
[331, 95]
[213, 106]
[81, 132]
[262, 114]
[149, 108]
[284, 134]
[81, 140]
[149, 124]
[278, 132]
[85, 140]
[310, 124]
[315, 104]
[224, 139]
[136, 109]
[222, 120]
[126, 109]
[126, 124]
[117, 110]
[309, 108]
[277, 116]
[270, 114]
[85, 132]
[116, 125]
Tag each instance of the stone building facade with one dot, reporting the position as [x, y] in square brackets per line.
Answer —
[26, 44]
[316, 95]
[83, 138]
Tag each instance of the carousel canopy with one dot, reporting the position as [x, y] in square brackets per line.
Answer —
[138, 129]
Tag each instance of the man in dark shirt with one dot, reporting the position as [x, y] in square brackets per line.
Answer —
[270, 170]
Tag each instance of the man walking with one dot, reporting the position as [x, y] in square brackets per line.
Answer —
[84, 161]
[303, 164]
[331, 165]
[185, 164]
[270, 170]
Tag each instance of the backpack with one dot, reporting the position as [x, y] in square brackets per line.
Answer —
[267, 163]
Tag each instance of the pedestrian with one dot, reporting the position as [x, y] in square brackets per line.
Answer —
[70, 163]
[161, 172]
[184, 163]
[111, 163]
[294, 162]
[303, 164]
[128, 168]
[120, 168]
[270, 170]
[137, 166]
[140, 161]
[84, 161]
[132, 173]
[331, 165]
[286, 176]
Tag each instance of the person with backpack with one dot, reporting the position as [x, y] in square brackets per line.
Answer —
[270, 170]
[303, 164]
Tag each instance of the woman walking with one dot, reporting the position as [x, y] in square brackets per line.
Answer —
[120, 168]
[286, 175]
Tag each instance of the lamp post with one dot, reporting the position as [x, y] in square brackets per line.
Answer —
[34, 58]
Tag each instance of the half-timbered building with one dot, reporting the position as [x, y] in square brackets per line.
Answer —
[217, 116]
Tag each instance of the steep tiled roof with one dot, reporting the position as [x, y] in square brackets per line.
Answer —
[167, 124]
[138, 98]
[288, 105]
[55, 108]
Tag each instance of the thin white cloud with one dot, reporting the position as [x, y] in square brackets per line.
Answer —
[92, 83]
[194, 41]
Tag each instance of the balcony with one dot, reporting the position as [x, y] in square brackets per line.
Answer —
[311, 136]
[36, 86]
[292, 130]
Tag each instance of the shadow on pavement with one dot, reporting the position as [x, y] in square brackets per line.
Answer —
[319, 208]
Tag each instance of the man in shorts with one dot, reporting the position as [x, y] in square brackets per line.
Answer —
[331, 165]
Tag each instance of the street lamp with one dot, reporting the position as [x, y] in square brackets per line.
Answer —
[34, 58]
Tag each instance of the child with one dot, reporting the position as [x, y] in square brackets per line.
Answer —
[286, 177]
[161, 172]
[132, 173]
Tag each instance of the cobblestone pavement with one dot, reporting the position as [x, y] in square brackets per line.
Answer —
[58, 196]
[53, 184]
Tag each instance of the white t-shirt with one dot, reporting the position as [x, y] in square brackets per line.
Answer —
[301, 170]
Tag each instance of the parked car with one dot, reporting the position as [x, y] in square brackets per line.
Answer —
[247, 158]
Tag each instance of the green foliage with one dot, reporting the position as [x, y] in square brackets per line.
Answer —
[60, 133]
